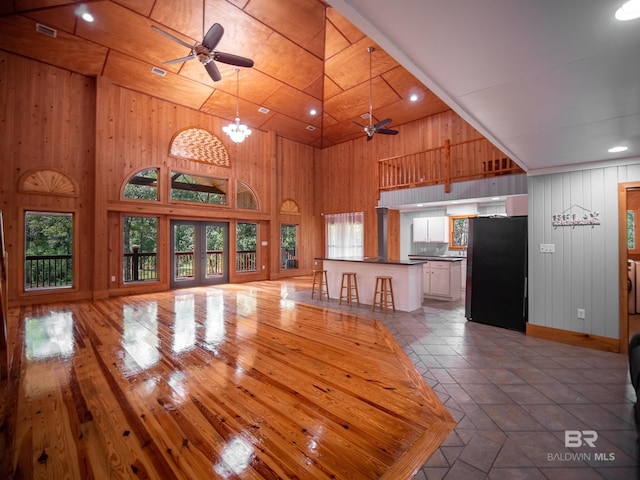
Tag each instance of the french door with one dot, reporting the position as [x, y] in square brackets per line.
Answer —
[199, 253]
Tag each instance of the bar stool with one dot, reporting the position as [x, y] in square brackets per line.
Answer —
[350, 284]
[320, 280]
[383, 293]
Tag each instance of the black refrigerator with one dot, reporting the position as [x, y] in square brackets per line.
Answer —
[497, 272]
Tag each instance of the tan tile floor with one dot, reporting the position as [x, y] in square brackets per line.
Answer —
[514, 397]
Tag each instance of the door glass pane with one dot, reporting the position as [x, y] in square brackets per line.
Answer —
[215, 250]
[246, 241]
[48, 250]
[183, 246]
[288, 240]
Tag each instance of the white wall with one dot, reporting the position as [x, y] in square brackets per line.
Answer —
[583, 271]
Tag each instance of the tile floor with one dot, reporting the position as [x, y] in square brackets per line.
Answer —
[514, 397]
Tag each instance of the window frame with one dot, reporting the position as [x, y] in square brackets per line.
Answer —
[297, 236]
[453, 219]
[75, 270]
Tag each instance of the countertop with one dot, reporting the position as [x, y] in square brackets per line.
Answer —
[436, 258]
[376, 260]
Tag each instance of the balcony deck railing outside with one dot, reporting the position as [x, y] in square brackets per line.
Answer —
[48, 271]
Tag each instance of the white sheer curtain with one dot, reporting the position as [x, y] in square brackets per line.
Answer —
[345, 235]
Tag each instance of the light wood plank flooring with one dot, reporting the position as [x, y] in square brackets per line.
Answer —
[232, 382]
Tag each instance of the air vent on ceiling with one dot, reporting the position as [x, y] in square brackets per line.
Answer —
[48, 31]
[158, 71]
[311, 128]
[263, 110]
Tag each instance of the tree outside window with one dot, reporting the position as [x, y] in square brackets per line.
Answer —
[48, 250]
[246, 242]
[288, 242]
[139, 247]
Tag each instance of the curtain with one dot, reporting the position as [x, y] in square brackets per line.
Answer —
[345, 235]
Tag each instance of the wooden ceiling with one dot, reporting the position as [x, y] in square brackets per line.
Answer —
[306, 56]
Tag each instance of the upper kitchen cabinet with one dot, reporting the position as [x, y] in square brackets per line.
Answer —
[431, 229]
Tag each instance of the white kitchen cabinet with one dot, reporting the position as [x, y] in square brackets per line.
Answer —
[441, 279]
[420, 229]
[431, 229]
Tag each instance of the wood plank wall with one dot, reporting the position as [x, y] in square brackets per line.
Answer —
[99, 134]
[47, 121]
[346, 174]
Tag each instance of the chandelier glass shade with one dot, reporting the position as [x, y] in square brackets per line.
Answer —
[237, 131]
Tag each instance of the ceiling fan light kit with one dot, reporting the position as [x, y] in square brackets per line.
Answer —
[378, 127]
[237, 132]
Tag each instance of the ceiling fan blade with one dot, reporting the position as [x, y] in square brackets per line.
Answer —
[359, 124]
[213, 36]
[383, 123]
[387, 131]
[168, 35]
[231, 59]
[213, 71]
[179, 60]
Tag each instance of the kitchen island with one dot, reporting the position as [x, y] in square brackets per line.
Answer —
[407, 279]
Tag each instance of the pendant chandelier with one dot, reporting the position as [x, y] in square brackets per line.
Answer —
[237, 131]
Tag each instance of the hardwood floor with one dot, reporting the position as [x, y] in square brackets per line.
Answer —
[234, 382]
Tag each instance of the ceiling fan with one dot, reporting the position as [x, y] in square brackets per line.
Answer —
[205, 52]
[378, 127]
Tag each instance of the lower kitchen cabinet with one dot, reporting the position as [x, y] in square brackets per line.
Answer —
[442, 280]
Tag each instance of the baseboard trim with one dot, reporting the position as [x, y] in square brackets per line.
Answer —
[578, 339]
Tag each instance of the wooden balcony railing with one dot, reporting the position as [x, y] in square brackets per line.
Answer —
[48, 271]
[139, 266]
[468, 160]
[246, 261]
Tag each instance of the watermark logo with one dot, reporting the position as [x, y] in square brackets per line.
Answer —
[579, 439]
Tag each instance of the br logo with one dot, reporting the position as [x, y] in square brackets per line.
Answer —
[578, 438]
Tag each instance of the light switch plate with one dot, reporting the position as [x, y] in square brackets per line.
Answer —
[547, 247]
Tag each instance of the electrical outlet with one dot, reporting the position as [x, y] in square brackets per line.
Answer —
[113, 278]
[547, 247]
[581, 313]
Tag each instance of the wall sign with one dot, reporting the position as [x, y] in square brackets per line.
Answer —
[575, 216]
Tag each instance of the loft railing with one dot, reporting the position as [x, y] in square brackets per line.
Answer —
[446, 164]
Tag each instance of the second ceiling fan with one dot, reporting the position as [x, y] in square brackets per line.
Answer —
[378, 127]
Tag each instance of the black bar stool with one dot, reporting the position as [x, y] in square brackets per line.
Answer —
[320, 280]
[383, 294]
[350, 284]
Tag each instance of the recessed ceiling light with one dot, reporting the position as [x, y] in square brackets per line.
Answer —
[629, 11]
[83, 13]
[419, 205]
[313, 111]
[413, 97]
[495, 198]
[618, 149]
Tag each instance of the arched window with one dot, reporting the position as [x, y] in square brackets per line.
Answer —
[245, 198]
[142, 185]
